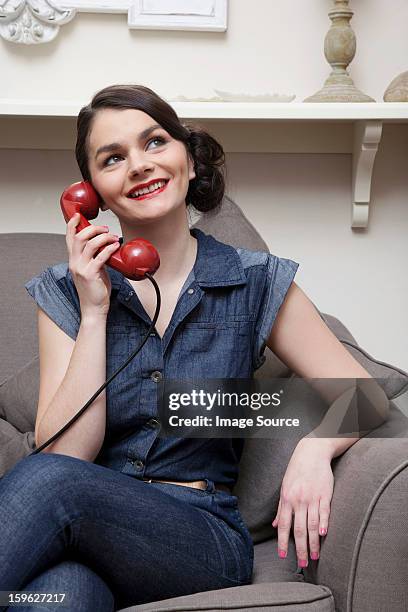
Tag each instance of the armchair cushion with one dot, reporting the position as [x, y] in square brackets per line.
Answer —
[14, 445]
[276, 596]
[19, 397]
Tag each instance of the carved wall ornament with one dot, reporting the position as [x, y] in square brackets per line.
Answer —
[31, 21]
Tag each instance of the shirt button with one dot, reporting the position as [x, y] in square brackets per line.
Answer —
[138, 464]
[153, 423]
[190, 291]
[129, 295]
[156, 376]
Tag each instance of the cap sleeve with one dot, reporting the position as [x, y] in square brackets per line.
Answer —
[280, 273]
[55, 294]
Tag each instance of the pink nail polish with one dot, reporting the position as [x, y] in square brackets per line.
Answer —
[302, 562]
[282, 553]
[323, 531]
[314, 556]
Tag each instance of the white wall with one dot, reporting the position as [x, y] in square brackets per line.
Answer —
[277, 48]
[300, 203]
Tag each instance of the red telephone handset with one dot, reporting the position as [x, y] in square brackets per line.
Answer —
[133, 259]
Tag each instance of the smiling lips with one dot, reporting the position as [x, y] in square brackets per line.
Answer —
[151, 193]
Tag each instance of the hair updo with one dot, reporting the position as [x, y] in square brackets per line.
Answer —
[206, 190]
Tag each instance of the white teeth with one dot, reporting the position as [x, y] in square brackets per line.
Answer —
[149, 189]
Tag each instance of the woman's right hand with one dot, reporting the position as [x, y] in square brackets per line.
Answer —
[88, 271]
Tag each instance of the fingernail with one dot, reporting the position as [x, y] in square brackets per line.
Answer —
[314, 556]
[323, 531]
[302, 562]
[282, 553]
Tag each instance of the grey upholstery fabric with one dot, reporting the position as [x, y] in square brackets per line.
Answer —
[229, 224]
[14, 445]
[19, 397]
[22, 256]
[362, 555]
[276, 596]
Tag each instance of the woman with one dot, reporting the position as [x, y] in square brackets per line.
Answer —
[110, 513]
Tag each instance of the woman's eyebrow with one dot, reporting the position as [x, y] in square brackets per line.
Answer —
[116, 145]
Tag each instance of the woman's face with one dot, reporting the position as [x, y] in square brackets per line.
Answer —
[121, 156]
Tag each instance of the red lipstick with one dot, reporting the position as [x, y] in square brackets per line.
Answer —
[147, 196]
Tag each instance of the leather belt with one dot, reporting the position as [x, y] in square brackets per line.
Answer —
[195, 484]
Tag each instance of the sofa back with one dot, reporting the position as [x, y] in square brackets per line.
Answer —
[22, 257]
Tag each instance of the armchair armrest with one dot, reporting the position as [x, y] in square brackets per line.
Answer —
[361, 558]
[14, 445]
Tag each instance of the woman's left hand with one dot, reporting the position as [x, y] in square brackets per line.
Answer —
[306, 492]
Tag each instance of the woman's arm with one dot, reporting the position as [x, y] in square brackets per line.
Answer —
[66, 385]
[301, 339]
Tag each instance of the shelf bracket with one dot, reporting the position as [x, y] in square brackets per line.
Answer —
[367, 137]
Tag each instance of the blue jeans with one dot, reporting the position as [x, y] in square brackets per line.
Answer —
[109, 541]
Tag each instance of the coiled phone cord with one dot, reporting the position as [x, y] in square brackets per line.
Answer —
[106, 383]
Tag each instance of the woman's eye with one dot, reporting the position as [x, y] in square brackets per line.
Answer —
[106, 162]
[157, 139]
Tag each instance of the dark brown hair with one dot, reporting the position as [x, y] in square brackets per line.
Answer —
[206, 190]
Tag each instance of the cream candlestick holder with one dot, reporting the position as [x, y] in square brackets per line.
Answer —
[339, 50]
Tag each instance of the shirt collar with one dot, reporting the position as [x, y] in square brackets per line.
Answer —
[217, 264]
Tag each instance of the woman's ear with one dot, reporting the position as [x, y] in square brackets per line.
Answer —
[101, 203]
[191, 168]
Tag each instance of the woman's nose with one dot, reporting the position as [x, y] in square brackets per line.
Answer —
[138, 164]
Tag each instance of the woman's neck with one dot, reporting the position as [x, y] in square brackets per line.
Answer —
[174, 243]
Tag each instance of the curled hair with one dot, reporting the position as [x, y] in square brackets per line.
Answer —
[206, 190]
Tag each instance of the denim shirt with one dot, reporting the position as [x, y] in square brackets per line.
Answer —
[219, 329]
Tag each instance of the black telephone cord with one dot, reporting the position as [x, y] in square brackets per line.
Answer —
[106, 383]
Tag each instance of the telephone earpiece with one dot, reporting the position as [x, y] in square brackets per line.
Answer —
[133, 259]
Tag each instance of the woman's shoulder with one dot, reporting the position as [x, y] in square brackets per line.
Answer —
[54, 292]
[53, 279]
[250, 257]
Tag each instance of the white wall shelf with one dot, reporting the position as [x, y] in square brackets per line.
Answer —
[294, 127]
[295, 111]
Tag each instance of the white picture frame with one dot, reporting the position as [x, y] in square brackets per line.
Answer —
[199, 15]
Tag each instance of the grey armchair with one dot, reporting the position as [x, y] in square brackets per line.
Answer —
[361, 565]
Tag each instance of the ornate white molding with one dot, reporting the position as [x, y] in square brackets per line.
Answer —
[31, 21]
[38, 21]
